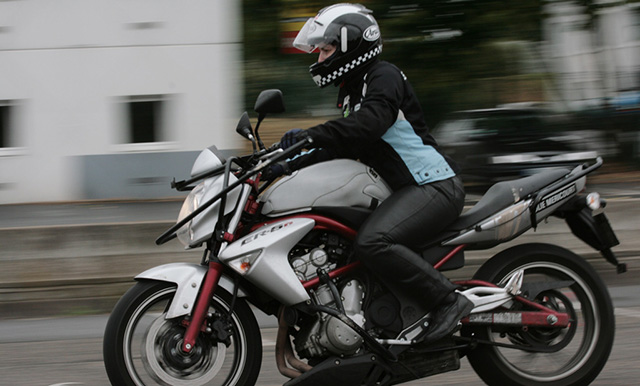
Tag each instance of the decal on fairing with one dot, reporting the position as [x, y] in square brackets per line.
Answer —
[556, 197]
[266, 232]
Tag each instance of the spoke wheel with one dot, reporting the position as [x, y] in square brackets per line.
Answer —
[573, 355]
[142, 347]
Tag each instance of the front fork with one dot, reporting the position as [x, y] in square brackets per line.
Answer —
[201, 308]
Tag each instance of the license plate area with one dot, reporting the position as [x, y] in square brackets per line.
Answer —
[593, 230]
[607, 234]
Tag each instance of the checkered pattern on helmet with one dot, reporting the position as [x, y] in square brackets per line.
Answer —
[350, 66]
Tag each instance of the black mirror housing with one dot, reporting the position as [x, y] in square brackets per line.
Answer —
[244, 127]
[269, 102]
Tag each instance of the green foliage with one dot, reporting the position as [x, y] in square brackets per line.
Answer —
[447, 75]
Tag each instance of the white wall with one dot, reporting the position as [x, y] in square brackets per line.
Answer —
[571, 51]
[619, 31]
[596, 62]
[69, 63]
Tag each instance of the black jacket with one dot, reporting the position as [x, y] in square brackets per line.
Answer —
[384, 127]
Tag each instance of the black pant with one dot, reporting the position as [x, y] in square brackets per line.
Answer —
[387, 242]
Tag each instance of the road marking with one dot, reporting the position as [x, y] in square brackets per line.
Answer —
[67, 384]
[627, 312]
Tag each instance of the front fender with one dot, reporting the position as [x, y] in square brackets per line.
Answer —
[188, 277]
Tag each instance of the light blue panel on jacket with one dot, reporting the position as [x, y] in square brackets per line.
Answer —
[424, 162]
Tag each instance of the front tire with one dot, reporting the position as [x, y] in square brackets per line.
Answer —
[141, 347]
[577, 353]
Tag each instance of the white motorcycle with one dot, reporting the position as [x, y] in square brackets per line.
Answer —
[542, 315]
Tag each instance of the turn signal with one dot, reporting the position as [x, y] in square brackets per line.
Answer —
[593, 201]
[242, 264]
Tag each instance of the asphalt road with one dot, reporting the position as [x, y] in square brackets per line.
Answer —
[68, 351]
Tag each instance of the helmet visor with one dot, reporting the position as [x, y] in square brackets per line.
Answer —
[309, 37]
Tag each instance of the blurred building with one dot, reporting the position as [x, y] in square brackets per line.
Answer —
[112, 98]
[109, 99]
[595, 54]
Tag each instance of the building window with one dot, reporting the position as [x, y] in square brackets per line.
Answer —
[144, 118]
[144, 122]
[6, 111]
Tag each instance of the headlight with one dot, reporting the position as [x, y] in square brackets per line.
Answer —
[191, 203]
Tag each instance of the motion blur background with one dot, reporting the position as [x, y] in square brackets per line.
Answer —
[104, 102]
[112, 99]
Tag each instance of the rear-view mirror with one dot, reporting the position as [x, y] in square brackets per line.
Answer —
[269, 102]
[244, 127]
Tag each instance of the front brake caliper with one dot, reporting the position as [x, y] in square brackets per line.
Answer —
[221, 328]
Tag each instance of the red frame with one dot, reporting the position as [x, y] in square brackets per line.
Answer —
[309, 284]
[529, 318]
[449, 256]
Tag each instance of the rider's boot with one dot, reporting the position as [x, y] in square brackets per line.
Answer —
[440, 322]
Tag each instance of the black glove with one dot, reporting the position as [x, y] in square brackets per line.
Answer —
[276, 170]
[292, 137]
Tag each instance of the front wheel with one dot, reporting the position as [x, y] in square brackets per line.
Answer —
[141, 347]
[573, 355]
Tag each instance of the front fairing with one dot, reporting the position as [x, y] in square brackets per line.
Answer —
[262, 258]
[201, 228]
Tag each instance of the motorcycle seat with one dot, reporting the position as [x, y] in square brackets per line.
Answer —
[498, 197]
[504, 194]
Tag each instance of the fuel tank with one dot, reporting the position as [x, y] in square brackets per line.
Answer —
[335, 183]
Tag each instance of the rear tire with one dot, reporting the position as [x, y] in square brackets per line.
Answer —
[579, 352]
[140, 344]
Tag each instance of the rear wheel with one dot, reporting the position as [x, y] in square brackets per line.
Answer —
[141, 347]
[573, 355]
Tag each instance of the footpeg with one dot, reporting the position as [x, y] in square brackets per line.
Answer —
[515, 283]
[410, 334]
[488, 298]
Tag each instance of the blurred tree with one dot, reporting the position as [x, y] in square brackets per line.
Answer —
[453, 48]
[453, 51]
[266, 65]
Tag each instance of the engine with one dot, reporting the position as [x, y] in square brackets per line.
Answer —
[321, 336]
[329, 334]
[318, 251]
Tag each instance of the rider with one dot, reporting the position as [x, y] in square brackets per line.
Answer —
[384, 127]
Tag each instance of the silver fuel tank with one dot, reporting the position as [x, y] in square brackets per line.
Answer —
[335, 183]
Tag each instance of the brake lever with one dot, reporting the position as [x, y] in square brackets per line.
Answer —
[282, 154]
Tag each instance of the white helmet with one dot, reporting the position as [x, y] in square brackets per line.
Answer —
[352, 29]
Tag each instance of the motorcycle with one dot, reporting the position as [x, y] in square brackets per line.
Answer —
[541, 316]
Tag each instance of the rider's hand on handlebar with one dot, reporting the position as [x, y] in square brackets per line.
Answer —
[292, 137]
[276, 170]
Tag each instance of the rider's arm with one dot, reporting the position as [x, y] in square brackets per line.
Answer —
[309, 158]
[378, 111]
